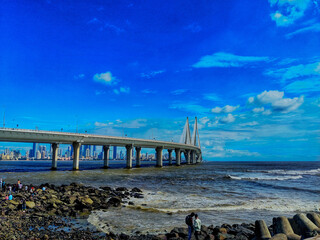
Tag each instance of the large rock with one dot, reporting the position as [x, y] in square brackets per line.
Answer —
[115, 201]
[87, 201]
[182, 232]
[54, 201]
[121, 189]
[30, 204]
[11, 206]
[14, 202]
[136, 190]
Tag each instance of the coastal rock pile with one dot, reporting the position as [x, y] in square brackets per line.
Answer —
[51, 211]
[66, 200]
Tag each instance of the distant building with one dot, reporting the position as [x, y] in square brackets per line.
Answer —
[35, 149]
[38, 155]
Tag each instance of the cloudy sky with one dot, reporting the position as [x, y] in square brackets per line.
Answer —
[249, 70]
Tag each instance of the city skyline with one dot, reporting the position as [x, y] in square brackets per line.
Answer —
[249, 70]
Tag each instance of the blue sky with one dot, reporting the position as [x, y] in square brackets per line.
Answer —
[249, 70]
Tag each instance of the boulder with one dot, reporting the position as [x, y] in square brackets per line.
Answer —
[135, 189]
[115, 201]
[222, 236]
[121, 189]
[209, 237]
[14, 202]
[11, 206]
[87, 200]
[30, 204]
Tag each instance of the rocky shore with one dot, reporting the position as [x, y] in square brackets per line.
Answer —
[55, 212]
[60, 212]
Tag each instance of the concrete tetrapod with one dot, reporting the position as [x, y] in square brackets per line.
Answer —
[314, 218]
[309, 228]
[295, 227]
[279, 236]
[282, 225]
[261, 230]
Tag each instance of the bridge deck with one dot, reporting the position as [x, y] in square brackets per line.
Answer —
[23, 135]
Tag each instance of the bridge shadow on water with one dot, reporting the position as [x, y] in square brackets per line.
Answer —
[45, 165]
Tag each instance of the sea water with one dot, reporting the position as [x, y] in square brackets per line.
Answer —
[220, 192]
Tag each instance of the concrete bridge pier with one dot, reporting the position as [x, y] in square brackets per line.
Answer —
[129, 156]
[193, 157]
[199, 158]
[170, 156]
[178, 156]
[106, 152]
[187, 156]
[76, 151]
[55, 147]
[159, 156]
[138, 156]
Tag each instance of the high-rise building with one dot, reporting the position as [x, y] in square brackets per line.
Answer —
[114, 152]
[38, 155]
[94, 149]
[35, 149]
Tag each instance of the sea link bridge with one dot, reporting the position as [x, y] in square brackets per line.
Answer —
[189, 145]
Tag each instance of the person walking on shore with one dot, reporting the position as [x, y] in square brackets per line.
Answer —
[189, 222]
[197, 226]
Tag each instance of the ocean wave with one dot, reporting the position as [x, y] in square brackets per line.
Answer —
[289, 188]
[290, 172]
[278, 178]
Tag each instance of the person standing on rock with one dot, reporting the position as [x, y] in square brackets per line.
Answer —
[189, 222]
[197, 226]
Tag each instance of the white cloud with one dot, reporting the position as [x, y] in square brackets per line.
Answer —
[212, 97]
[148, 91]
[253, 123]
[228, 119]
[221, 151]
[189, 107]
[122, 90]
[312, 28]
[113, 28]
[277, 102]
[79, 76]
[179, 91]
[152, 74]
[269, 96]
[193, 27]
[100, 124]
[288, 11]
[225, 109]
[105, 78]
[99, 92]
[296, 71]
[304, 86]
[267, 112]
[222, 59]
[286, 105]
[258, 110]
[94, 20]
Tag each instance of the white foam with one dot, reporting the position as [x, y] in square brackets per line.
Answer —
[291, 172]
[265, 177]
